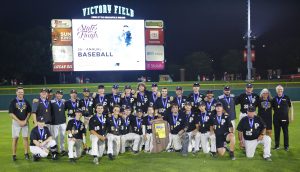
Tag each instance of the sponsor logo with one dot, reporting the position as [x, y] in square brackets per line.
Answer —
[87, 32]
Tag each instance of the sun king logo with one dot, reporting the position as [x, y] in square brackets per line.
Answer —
[87, 32]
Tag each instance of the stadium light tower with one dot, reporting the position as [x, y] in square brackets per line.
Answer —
[249, 37]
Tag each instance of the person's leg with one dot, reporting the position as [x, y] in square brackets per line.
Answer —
[212, 143]
[71, 148]
[230, 137]
[123, 141]
[78, 148]
[110, 143]
[55, 131]
[16, 129]
[169, 146]
[136, 142]
[197, 141]
[147, 143]
[277, 129]
[267, 146]
[62, 131]
[177, 142]
[250, 146]
[94, 140]
[101, 148]
[118, 144]
[285, 129]
[204, 142]
[151, 142]
[38, 151]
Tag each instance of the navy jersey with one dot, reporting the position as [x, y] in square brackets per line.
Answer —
[180, 101]
[163, 105]
[246, 100]
[176, 122]
[114, 125]
[98, 124]
[128, 101]
[228, 105]
[211, 106]
[58, 112]
[71, 106]
[195, 99]
[136, 125]
[39, 134]
[113, 99]
[152, 98]
[87, 106]
[125, 125]
[147, 123]
[142, 101]
[281, 107]
[190, 121]
[251, 128]
[42, 108]
[204, 121]
[77, 127]
[101, 100]
[221, 124]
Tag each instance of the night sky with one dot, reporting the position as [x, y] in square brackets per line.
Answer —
[191, 25]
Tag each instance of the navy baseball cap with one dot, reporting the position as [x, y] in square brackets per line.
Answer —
[40, 119]
[78, 111]
[73, 91]
[196, 84]
[249, 85]
[251, 109]
[139, 110]
[188, 103]
[100, 86]
[128, 107]
[86, 90]
[227, 88]
[154, 84]
[219, 104]
[209, 92]
[115, 86]
[127, 87]
[59, 92]
[49, 90]
[44, 89]
[202, 103]
[178, 88]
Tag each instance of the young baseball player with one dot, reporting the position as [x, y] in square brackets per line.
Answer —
[252, 129]
[191, 126]
[113, 133]
[176, 122]
[41, 141]
[180, 99]
[72, 104]
[195, 97]
[221, 126]
[205, 137]
[76, 134]
[163, 103]
[58, 125]
[137, 132]
[147, 128]
[41, 107]
[19, 111]
[98, 127]
[210, 102]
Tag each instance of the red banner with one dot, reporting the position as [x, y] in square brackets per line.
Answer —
[155, 65]
[154, 36]
[62, 66]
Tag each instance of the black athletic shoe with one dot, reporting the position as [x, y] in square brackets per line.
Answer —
[27, 156]
[72, 160]
[213, 154]
[135, 152]
[268, 159]
[276, 148]
[14, 158]
[286, 149]
[110, 156]
[54, 156]
[63, 153]
[231, 154]
[36, 157]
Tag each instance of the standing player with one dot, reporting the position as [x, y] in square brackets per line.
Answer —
[58, 125]
[180, 99]
[19, 111]
[97, 127]
[101, 98]
[142, 97]
[195, 98]
[247, 99]
[281, 106]
[41, 140]
[127, 98]
[210, 102]
[153, 94]
[86, 106]
[113, 124]
[205, 136]
[163, 103]
[114, 98]
[221, 126]
[191, 126]
[72, 104]
[265, 110]
[147, 129]
[125, 130]
[76, 132]
[41, 107]
[252, 129]
[176, 122]
[228, 100]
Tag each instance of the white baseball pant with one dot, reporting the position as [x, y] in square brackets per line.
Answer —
[128, 137]
[59, 130]
[250, 146]
[174, 142]
[74, 148]
[98, 146]
[42, 151]
[113, 144]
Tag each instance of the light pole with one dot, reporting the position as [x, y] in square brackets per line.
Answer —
[249, 61]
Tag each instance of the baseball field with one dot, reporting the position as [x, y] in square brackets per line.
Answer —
[282, 160]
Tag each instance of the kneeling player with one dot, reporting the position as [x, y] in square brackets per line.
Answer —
[253, 130]
[113, 124]
[41, 140]
[204, 135]
[97, 127]
[147, 129]
[176, 122]
[222, 128]
[76, 132]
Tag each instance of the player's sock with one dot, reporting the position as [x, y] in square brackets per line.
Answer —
[26, 156]
[14, 157]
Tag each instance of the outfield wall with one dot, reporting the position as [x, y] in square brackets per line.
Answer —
[293, 93]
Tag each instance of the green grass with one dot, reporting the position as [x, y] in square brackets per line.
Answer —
[215, 85]
[282, 161]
